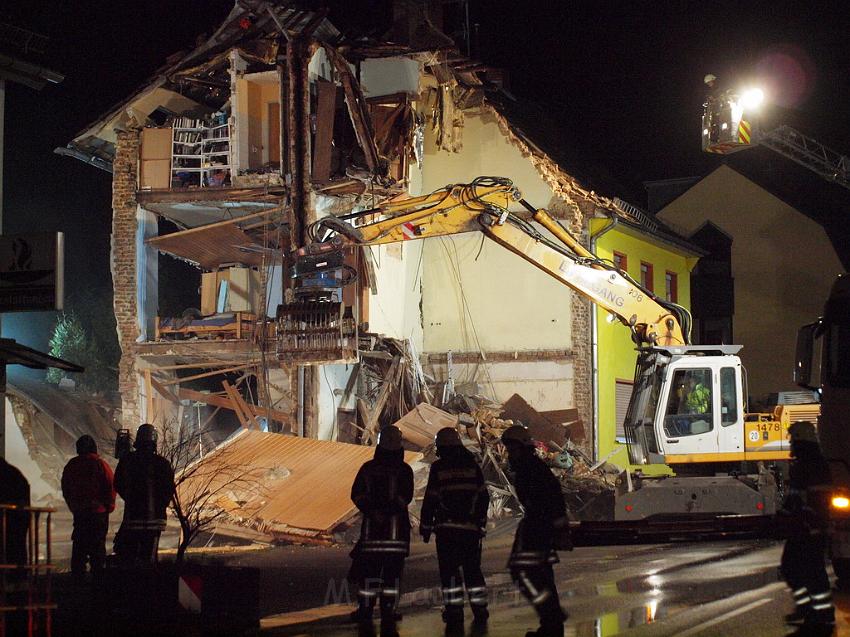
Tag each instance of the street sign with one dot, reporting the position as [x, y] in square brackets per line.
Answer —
[32, 273]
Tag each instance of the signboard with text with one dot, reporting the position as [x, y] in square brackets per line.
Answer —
[32, 272]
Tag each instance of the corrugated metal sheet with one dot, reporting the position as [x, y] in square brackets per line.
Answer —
[210, 246]
[300, 484]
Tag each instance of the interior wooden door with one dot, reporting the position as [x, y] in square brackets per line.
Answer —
[274, 133]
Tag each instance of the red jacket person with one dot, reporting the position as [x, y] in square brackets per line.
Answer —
[87, 486]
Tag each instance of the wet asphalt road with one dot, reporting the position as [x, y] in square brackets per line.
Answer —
[710, 589]
[683, 589]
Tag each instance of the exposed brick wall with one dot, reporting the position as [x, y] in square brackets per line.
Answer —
[124, 271]
[582, 360]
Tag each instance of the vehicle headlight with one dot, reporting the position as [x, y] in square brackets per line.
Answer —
[840, 503]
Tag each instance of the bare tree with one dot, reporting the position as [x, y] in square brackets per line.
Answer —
[205, 482]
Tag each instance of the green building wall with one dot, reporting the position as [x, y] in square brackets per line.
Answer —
[615, 350]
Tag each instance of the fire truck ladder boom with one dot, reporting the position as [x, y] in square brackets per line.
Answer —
[809, 153]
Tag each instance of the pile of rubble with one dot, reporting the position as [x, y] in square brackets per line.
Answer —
[558, 435]
[391, 388]
[481, 424]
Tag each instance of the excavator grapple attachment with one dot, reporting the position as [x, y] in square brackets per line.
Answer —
[316, 331]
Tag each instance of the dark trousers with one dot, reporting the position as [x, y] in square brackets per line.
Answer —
[136, 546]
[459, 558]
[530, 563]
[17, 528]
[89, 542]
[537, 584]
[804, 569]
[379, 575]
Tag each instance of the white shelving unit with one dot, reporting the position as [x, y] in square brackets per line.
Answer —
[200, 155]
[216, 156]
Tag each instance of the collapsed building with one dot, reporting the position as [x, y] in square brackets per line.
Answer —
[227, 156]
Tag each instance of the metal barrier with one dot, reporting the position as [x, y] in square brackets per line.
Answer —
[26, 570]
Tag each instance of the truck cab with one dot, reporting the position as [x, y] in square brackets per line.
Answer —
[823, 363]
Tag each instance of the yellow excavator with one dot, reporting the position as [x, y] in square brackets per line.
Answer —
[717, 450]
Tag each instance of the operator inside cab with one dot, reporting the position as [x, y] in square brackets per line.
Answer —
[689, 406]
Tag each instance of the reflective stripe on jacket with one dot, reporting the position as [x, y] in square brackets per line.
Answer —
[456, 496]
[382, 490]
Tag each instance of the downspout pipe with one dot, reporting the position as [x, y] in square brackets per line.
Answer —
[594, 345]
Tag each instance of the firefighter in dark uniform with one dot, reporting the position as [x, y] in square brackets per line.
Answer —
[145, 481]
[455, 509]
[14, 491]
[382, 490]
[805, 513]
[544, 521]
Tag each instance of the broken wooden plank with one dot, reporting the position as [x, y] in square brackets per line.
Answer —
[390, 381]
[200, 365]
[203, 426]
[217, 224]
[159, 387]
[421, 424]
[244, 418]
[517, 408]
[560, 416]
[259, 193]
[215, 372]
[148, 397]
[225, 403]
[358, 111]
[323, 141]
[213, 244]
[246, 408]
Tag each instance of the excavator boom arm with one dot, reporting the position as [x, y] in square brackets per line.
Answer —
[483, 206]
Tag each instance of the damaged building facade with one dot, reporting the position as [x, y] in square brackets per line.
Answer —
[225, 158]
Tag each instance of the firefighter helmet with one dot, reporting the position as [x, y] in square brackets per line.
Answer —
[447, 437]
[86, 444]
[708, 79]
[802, 430]
[146, 435]
[517, 434]
[390, 438]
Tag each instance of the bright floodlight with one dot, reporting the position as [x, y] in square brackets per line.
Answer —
[752, 98]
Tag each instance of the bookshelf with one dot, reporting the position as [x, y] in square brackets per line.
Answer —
[200, 154]
[216, 169]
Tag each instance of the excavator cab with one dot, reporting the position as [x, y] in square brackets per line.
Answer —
[728, 121]
[687, 405]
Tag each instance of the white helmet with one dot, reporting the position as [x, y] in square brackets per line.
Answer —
[708, 79]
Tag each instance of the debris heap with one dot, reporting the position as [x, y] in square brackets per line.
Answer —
[391, 388]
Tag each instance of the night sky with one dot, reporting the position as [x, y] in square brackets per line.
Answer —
[622, 79]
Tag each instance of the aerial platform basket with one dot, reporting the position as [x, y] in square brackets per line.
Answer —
[724, 127]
